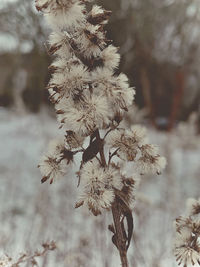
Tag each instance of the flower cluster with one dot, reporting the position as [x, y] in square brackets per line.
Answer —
[132, 145]
[99, 184]
[187, 243]
[53, 163]
[90, 99]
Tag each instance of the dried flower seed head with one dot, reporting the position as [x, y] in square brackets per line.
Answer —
[98, 15]
[110, 57]
[60, 65]
[60, 45]
[68, 84]
[51, 168]
[116, 89]
[52, 165]
[91, 40]
[187, 242]
[150, 161]
[65, 15]
[127, 142]
[56, 147]
[73, 140]
[91, 114]
[193, 206]
[99, 184]
[108, 177]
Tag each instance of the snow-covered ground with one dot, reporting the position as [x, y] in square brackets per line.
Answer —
[31, 212]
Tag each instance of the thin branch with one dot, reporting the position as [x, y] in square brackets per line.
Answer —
[112, 155]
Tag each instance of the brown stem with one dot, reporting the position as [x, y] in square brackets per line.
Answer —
[112, 155]
[120, 240]
[101, 148]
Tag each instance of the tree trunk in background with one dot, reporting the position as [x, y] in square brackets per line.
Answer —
[146, 90]
[177, 97]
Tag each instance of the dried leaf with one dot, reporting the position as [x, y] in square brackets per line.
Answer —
[126, 211]
[91, 151]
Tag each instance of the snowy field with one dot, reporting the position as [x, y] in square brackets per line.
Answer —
[31, 213]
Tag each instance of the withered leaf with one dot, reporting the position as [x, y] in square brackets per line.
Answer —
[126, 211]
[129, 219]
[114, 240]
[91, 151]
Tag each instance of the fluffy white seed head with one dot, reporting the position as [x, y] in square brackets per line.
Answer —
[140, 134]
[150, 161]
[73, 140]
[93, 113]
[59, 44]
[56, 146]
[110, 57]
[91, 40]
[116, 89]
[98, 185]
[52, 166]
[193, 206]
[108, 177]
[66, 15]
[127, 142]
[68, 84]
[187, 242]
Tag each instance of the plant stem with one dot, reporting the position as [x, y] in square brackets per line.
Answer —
[121, 242]
[101, 148]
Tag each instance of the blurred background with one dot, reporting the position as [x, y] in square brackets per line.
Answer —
[159, 44]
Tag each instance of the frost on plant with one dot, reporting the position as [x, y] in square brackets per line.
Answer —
[187, 243]
[91, 100]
